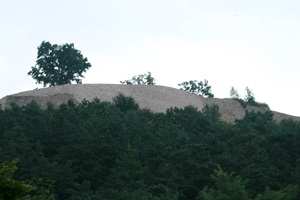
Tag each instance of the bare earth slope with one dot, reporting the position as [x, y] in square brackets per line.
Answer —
[155, 98]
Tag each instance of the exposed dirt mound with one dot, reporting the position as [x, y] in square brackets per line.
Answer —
[155, 98]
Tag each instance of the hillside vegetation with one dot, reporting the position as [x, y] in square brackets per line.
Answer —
[116, 150]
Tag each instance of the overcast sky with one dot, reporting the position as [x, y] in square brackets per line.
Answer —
[237, 43]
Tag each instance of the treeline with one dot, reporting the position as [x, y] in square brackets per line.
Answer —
[102, 150]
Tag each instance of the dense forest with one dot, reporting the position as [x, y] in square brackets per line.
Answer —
[116, 150]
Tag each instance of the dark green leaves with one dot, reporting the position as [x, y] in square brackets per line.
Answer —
[125, 103]
[116, 150]
[58, 64]
[142, 79]
[197, 87]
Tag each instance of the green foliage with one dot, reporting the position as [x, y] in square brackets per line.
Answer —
[229, 186]
[116, 150]
[125, 103]
[58, 64]
[257, 121]
[212, 113]
[10, 188]
[197, 87]
[141, 79]
[249, 98]
[226, 187]
[83, 191]
[17, 189]
[287, 193]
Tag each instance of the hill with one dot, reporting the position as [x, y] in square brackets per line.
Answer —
[115, 150]
[155, 98]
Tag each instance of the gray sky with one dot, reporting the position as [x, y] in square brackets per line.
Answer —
[235, 43]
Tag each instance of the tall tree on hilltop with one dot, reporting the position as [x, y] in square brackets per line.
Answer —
[58, 64]
[249, 97]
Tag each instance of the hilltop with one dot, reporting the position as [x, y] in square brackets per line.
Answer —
[155, 98]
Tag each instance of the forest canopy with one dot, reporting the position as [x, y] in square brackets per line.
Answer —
[111, 150]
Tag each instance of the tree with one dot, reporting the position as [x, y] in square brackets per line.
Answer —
[197, 87]
[234, 94]
[10, 188]
[249, 98]
[125, 103]
[287, 193]
[58, 64]
[141, 79]
[227, 186]
[17, 189]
